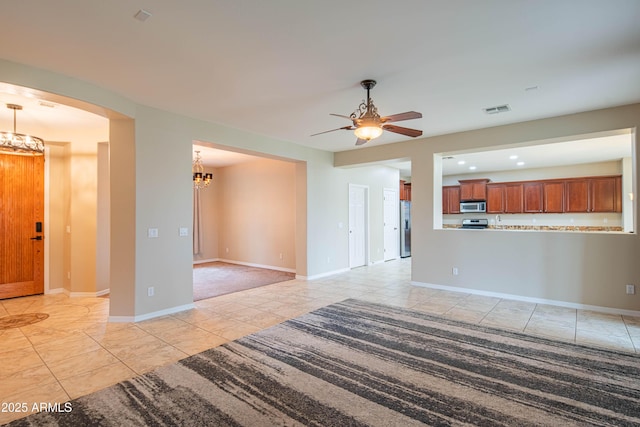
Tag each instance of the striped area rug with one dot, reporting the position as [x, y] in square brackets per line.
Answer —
[356, 363]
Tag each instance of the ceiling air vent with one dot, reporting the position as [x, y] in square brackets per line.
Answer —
[499, 109]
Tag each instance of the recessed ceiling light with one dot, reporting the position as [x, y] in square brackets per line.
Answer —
[520, 163]
[461, 162]
[513, 156]
[472, 168]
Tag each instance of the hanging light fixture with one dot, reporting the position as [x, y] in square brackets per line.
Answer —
[18, 143]
[200, 178]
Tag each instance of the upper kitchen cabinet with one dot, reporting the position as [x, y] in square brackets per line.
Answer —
[576, 195]
[553, 195]
[532, 197]
[473, 190]
[495, 198]
[513, 198]
[405, 190]
[504, 198]
[451, 199]
[594, 194]
[606, 194]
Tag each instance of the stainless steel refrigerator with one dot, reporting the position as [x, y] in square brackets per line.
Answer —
[405, 228]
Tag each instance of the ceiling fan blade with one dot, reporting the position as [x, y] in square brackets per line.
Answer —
[332, 130]
[403, 131]
[402, 116]
[341, 115]
[361, 141]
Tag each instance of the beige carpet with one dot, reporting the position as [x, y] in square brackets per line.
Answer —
[220, 278]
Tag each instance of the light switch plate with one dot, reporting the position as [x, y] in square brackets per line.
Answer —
[184, 231]
[152, 233]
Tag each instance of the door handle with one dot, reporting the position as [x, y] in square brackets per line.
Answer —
[37, 238]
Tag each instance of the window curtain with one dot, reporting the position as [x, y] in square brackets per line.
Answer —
[197, 225]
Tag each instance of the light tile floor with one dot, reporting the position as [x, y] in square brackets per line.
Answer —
[76, 351]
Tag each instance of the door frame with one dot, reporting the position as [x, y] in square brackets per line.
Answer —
[396, 227]
[367, 239]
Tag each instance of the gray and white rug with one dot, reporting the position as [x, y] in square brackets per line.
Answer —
[356, 363]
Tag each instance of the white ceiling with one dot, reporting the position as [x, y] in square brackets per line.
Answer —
[278, 68]
[593, 150]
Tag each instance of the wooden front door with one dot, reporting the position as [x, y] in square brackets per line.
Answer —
[21, 225]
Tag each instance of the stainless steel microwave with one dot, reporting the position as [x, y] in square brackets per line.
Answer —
[473, 207]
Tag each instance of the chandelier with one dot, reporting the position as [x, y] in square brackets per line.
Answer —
[18, 143]
[200, 178]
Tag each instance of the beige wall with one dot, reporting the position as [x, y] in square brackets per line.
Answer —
[578, 268]
[257, 211]
[152, 149]
[57, 189]
[72, 217]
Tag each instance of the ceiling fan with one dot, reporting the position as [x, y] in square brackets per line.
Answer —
[367, 123]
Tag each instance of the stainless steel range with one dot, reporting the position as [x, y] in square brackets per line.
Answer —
[478, 223]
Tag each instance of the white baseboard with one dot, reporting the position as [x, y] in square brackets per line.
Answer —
[54, 291]
[85, 294]
[321, 275]
[132, 319]
[251, 264]
[608, 310]
[204, 261]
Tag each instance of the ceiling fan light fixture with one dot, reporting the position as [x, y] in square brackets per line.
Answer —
[368, 132]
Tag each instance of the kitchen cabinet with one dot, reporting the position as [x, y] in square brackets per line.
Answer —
[504, 198]
[605, 194]
[473, 190]
[532, 197]
[553, 194]
[405, 190]
[571, 195]
[593, 194]
[495, 198]
[577, 195]
[513, 198]
[451, 199]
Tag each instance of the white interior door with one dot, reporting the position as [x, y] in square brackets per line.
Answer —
[357, 225]
[391, 224]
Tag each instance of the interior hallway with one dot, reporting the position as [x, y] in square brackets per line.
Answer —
[75, 351]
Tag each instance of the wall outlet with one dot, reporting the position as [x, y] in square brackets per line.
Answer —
[227, 250]
[454, 271]
[151, 291]
[631, 289]
[152, 233]
[280, 255]
[184, 232]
